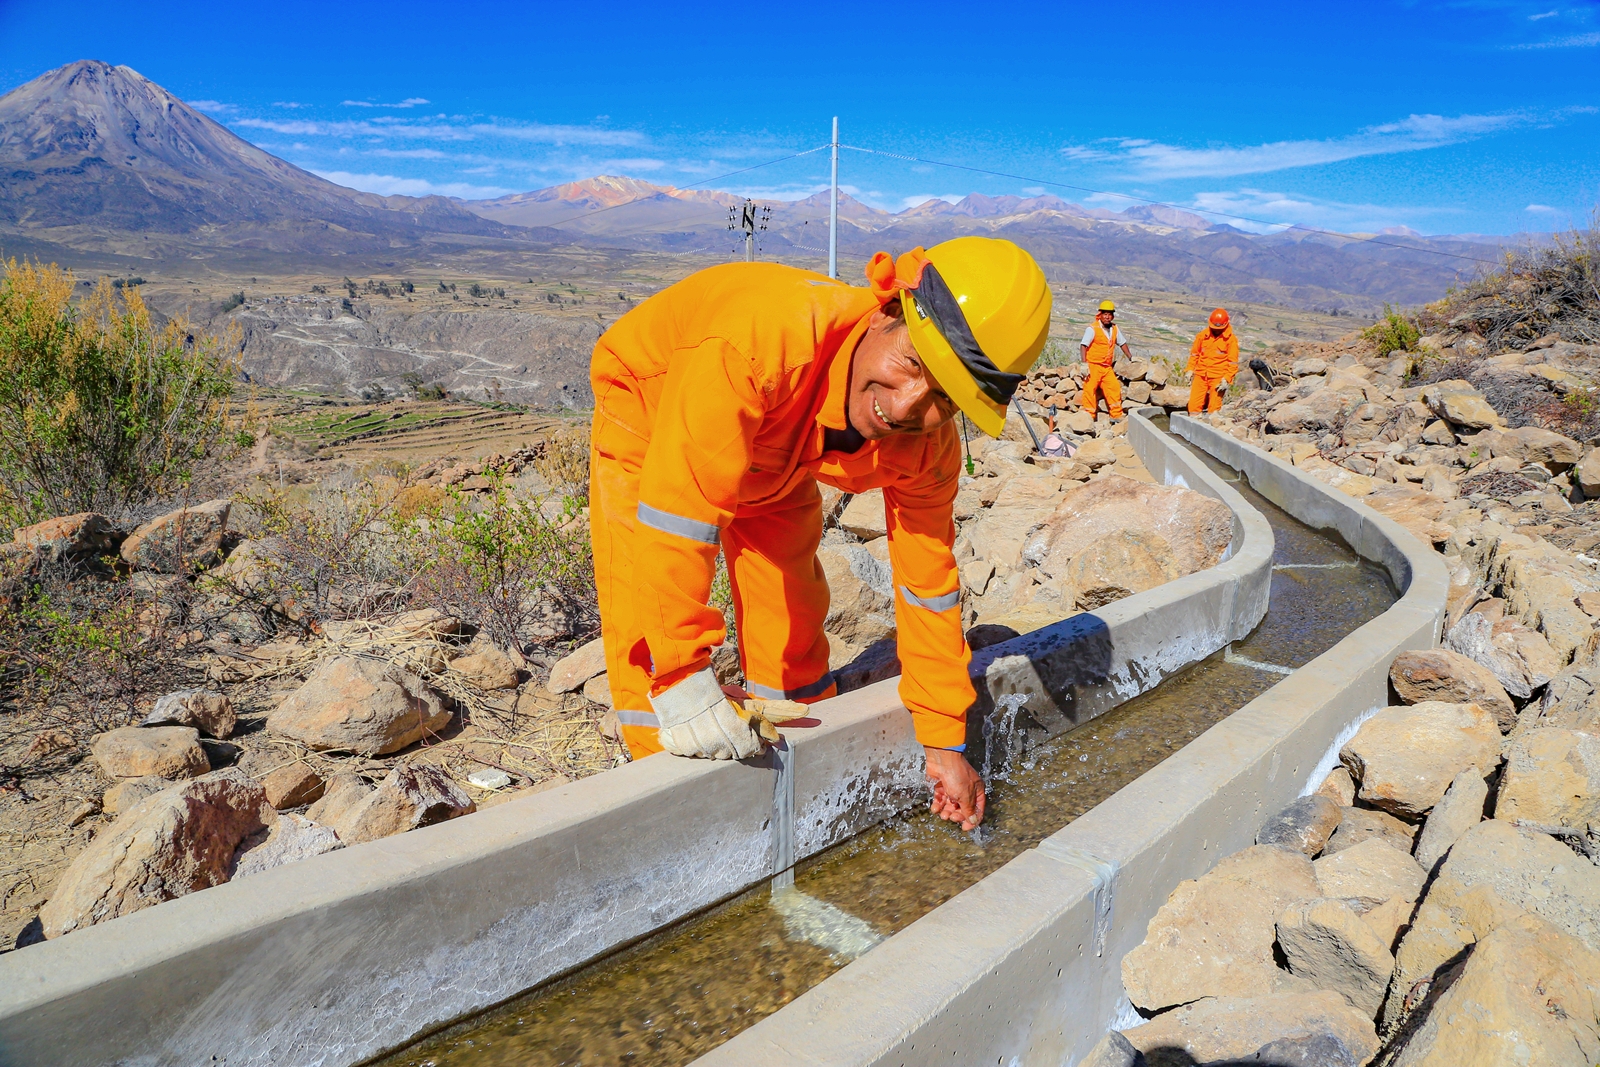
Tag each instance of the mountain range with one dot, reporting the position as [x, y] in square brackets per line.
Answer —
[99, 161]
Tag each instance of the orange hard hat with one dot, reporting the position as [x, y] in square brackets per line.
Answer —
[1219, 318]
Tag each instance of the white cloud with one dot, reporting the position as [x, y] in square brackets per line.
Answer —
[216, 107]
[1151, 159]
[412, 101]
[1576, 40]
[288, 104]
[1543, 15]
[1270, 211]
[1541, 209]
[390, 185]
[560, 135]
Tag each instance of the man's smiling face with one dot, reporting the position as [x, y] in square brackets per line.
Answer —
[891, 390]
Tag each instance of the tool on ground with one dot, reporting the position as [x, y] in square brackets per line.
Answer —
[1037, 446]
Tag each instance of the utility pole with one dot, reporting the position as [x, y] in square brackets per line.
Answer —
[833, 208]
[750, 220]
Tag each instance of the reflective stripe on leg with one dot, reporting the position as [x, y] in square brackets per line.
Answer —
[804, 692]
[943, 602]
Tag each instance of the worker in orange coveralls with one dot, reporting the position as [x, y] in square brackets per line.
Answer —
[1213, 361]
[1099, 349]
[720, 402]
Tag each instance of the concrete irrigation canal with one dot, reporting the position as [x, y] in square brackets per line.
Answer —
[1129, 748]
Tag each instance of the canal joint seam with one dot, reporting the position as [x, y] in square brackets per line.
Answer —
[1104, 873]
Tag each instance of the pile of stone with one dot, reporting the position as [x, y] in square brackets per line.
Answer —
[1037, 540]
[1434, 901]
[1143, 382]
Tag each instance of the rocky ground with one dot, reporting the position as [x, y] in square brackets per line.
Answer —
[1434, 900]
[264, 680]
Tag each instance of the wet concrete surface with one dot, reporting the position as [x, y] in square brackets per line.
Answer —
[693, 986]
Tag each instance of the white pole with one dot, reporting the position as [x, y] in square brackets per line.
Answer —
[833, 210]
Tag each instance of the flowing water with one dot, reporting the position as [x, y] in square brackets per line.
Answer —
[689, 988]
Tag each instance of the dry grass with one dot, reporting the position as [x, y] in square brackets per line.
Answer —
[1539, 291]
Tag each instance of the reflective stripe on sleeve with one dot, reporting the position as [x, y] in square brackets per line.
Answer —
[932, 603]
[766, 692]
[639, 718]
[678, 526]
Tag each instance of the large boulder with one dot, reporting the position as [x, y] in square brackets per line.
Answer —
[289, 839]
[864, 515]
[165, 751]
[1329, 945]
[1304, 826]
[1459, 811]
[79, 537]
[1461, 404]
[1528, 994]
[171, 843]
[411, 796]
[1196, 528]
[1372, 870]
[360, 705]
[1440, 674]
[186, 539]
[1235, 1030]
[292, 785]
[1551, 777]
[572, 670]
[1214, 935]
[209, 712]
[1118, 565]
[1571, 701]
[1534, 444]
[1493, 873]
[860, 592]
[1364, 824]
[486, 666]
[1406, 757]
[1323, 410]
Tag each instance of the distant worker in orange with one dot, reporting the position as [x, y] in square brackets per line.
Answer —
[720, 403]
[1101, 338]
[1213, 361]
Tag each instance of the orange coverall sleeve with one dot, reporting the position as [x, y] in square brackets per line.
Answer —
[933, 648]
[700, 448]
[1232, 354]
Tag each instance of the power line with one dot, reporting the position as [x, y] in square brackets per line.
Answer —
[691, 185]
[1160, 203]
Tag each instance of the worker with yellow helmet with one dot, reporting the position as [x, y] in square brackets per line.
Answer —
[720, 403]
[1101, 339]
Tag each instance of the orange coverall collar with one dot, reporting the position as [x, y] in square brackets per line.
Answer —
[836, 395]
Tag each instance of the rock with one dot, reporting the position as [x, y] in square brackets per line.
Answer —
[292, 837]
[167, 751]
[1329, 945]
[1173, 396]
[1080, 422]
[292, 785]
[174, 842]
[1214, 935]
[1587, 474]
[572, 670]
[1338, 787]
[1363, 824]
[425, 624]
[975, 576]
[860, 594]
[1406, 757]
[1440, 674]
[1461, 404]
[1112, 1050]
[1534, 444]
[78, 538]
[412, 796]
[340, 795]
[486, 667]
[1225, 1030]
[1195, 527]
[211, 713]
[1321, 411]
[1371, 869]
[597, 690]
[1494, 872]
[1139, 392]
[1571, 701]
[1304, 826]
[1528, 994]
[128, 792]
[1118, 565]
[1473, 636]
[489, 778]
[1438, 432]
[1459, 811]
[1302, 368]
[1551, 777]
[360, 705]
[1095, 454]
[864, 515]
[186, 539]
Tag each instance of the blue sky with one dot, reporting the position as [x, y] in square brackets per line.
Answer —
[1479, 116]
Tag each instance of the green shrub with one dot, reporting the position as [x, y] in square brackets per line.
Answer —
[234, 301]
[99, 408]
[1393, 331]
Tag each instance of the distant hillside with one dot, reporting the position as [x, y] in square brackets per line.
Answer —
[92, 153]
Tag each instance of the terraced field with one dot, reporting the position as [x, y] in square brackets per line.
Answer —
[405, 431]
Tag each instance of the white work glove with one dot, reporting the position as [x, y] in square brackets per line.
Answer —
[697, 719]
[1222, 387]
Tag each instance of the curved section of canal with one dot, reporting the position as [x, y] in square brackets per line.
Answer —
[691, 987]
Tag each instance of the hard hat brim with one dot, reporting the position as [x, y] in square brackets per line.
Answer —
[942, 362]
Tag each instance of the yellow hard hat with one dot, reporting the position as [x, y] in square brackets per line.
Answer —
[1107, 305]
[979, 316]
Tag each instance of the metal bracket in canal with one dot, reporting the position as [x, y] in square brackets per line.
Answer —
[691, 989]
